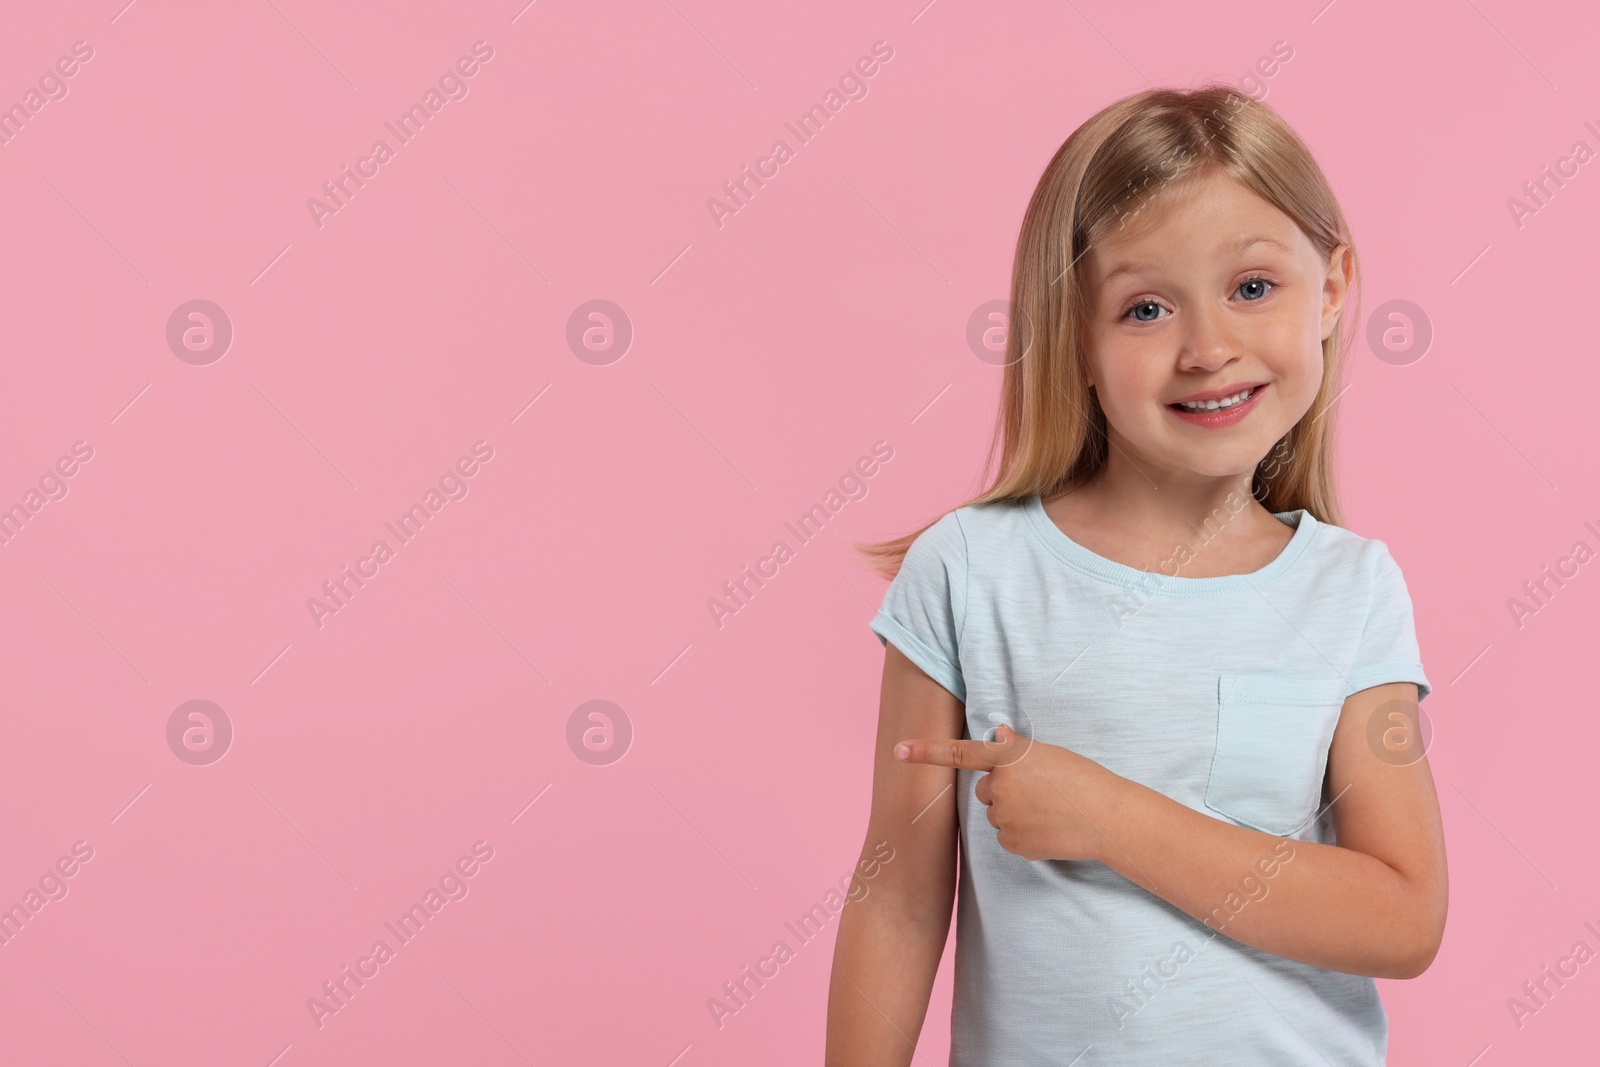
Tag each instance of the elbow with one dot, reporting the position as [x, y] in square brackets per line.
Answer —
[1420, 949]
[1412, 941]
[1413, 964]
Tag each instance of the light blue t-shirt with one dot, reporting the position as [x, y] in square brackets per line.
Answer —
[1221, 693]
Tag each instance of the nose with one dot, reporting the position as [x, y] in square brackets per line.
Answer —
[1208, 343]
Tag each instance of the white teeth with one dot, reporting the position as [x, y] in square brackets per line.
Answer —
[1217, 405]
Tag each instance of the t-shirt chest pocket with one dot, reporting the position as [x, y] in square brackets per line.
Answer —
[1273, 733]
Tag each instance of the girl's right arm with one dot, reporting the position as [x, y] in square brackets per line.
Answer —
[891, 938]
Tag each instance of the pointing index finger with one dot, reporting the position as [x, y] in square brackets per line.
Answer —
[966, 755]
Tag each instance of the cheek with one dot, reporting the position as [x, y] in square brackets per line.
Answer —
[1291, 346]
[1128, 381]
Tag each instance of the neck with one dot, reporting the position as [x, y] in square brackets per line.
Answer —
[1135, 495]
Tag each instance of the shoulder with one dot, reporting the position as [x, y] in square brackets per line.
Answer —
[965, 535]
[943, 544]
[1365, 559]
[995, 520]
[962, 534]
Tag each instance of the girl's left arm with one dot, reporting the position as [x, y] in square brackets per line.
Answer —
[1374, 904]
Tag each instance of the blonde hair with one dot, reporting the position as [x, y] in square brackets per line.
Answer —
[1050, 431]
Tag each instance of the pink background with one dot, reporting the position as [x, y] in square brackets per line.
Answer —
[768, 355]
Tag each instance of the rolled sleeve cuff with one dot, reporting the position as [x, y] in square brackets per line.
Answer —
[1380, 673]
[932, 663]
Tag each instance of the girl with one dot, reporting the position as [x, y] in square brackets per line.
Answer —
[1164, 701]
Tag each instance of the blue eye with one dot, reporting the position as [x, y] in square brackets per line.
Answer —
[1149, 310]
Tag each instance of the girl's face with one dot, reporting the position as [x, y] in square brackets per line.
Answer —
[1211, 294]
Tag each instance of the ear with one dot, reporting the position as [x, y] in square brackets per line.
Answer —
[1336, 287]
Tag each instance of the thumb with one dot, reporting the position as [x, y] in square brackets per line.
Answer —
[1005, 735]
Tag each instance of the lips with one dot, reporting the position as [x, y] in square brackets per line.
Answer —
[1220, 416]
[1218, 394]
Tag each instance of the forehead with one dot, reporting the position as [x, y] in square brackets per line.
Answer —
[1193, 222]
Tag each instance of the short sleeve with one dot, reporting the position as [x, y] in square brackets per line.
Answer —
[923, 609]
[1388, 651]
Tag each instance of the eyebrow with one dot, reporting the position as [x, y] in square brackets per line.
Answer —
[1234, 247]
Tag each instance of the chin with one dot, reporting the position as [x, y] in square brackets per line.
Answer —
[1215, 466]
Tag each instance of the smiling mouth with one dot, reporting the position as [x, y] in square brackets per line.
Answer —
[1203, 406]
[1223, 412]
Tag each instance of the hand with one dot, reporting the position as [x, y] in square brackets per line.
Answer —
[1045, 805]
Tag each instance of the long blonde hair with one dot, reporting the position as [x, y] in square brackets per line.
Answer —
[1050, 431]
